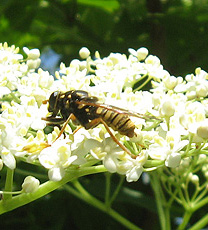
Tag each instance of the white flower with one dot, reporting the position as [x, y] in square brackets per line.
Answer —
[168, 149]
[110, 162]
[191, 116]
[134, 174]
[30, 184]
[34, 145]
[167, 108]
[56, 158]
[141, 53]
[12, 69]
[116, 160]
[4, 91]
[153, 60]
[32, 54]
[33, 64]
[173, 160]
[104, 150]
[197, 85]
[11, 143]
[8, 158]
[159, 150]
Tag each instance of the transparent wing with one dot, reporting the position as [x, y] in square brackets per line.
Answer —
[118, 110]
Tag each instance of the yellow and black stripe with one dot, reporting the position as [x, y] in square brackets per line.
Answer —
[117, 121]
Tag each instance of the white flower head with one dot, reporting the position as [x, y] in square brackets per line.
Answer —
[22, 129]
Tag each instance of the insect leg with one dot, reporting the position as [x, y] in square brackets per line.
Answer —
[77, 129]
[98, 121]
[71, 116]
[53, 120]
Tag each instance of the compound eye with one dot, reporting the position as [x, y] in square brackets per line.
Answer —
[53, 101]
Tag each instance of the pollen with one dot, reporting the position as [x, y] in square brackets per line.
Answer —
[35, 148]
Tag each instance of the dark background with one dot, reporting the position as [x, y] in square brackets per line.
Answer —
[173, 30]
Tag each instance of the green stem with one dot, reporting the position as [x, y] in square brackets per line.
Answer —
[143, 84]
[186, 218]
[16, 99]
[200, 224]
[200, 204]
[163, 209]
[107, 190]
[82, 194]
[9, 183]
[118, 188]
[153, 163]
[45, 188]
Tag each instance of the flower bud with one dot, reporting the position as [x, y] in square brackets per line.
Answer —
[34, 54]
[75, 64]
[170, 82]
[204, 168]
[109, 164]
[33, 64]
[201, 91]
[168, 109]
[195, 179]
[202, 130]
[142, 53]
[191, 94]
[152, 60]
[30, 184]
[97, 55]
[84, 53]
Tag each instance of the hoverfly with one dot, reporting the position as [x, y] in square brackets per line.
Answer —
[85, 110]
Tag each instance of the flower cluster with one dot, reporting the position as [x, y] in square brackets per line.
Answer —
[171, 120]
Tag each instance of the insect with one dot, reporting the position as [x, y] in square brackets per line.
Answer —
[85, 110]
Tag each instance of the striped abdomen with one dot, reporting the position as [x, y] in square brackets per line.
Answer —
[117, 121]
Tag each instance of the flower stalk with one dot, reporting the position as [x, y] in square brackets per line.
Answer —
[82, 194]
[10, 204]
